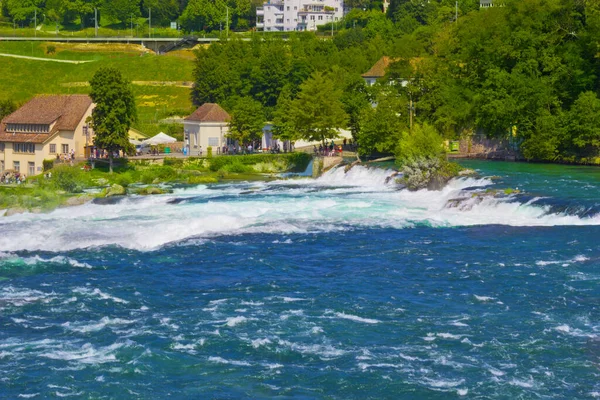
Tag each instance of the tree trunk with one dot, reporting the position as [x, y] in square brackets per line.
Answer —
[110, 162]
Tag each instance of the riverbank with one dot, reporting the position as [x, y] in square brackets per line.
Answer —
[66, 185]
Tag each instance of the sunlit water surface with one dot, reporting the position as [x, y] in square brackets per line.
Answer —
[343, 288]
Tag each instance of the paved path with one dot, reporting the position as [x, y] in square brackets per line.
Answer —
[45, 59]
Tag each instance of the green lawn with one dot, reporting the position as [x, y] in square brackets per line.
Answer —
[23, 79]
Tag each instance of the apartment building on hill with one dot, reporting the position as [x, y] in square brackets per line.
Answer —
[297, 15]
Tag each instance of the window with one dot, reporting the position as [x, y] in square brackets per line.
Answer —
[295, 8]
[23, 148]
[288, 8]
[53, 148]
[31, 168]
[320, 18]
[65, 148]
[17, 166]
[312, 17]
[1, 165]
[1, 147]
[213, 141]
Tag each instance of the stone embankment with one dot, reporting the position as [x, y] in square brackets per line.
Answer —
[323, 164]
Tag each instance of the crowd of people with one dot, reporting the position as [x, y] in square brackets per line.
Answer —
[12, 177]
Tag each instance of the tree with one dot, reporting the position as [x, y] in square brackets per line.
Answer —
[317, 113]
[203, 15]
[584, 123]
[423, 142]
[122, 10]
[163, 11]
[381, 127]
[7, 107]
[114, 112]
[247, 121]
[22, 11]
[283, 127]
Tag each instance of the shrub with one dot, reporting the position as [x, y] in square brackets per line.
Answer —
[197, 180]
[209, 152]
[68, 178]
[422, 143]
[124, 179]
[48, 164]
[173, 162]
[50, 49]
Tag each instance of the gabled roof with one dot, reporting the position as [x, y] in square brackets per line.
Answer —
[378, 69]
[66, 111]
[209, 112]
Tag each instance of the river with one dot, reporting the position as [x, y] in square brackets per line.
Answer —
[342, 287]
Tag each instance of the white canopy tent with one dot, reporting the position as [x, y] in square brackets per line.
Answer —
[135, 142]
[161, 138]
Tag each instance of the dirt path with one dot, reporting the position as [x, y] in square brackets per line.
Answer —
[45, 59]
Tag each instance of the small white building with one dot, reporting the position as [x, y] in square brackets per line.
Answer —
[207, 126]
[297, 15]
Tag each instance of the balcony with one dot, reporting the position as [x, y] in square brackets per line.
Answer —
[260, 11]
[260, 24]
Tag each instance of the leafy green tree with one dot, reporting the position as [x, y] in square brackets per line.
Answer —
[114, 113]
[283, 126]
[7, 107]
[204, 15]
[423, 142]
[122, 10]
[584, 124]
[163, 11]
[317, 113]
[247, 120]
[22, 11]
[381, 127]
[546, 141]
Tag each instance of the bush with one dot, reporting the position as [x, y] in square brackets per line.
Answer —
[50, 49]
[173, 162]
[209, 152]
[423, 142]
[48, 164]
[68, 178]
[124, 179]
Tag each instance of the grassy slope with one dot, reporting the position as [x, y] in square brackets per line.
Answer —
[23, 79]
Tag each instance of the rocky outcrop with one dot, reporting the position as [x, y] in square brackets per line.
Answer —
[115, 190]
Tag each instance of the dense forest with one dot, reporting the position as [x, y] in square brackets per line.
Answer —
[526, 71]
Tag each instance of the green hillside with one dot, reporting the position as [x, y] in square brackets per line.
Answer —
[23, 78]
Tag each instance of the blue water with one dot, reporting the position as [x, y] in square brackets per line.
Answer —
[340, 288]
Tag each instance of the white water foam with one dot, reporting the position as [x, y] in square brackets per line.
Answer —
[356, 318]
[336, 201]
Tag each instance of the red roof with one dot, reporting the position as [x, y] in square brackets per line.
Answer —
[378, 69]
[209, 112]
[66, 111]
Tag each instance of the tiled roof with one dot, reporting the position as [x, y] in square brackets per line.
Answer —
[378, 69]
[66, 110]
[209, 112]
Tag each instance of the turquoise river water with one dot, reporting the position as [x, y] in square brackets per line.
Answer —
[343, 287]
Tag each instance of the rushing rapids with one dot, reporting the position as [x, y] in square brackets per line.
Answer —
[341, 287]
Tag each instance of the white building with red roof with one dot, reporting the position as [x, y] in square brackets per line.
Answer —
[207, 126]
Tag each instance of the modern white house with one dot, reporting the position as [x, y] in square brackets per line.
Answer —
[207, 126]
[297, 15]
[486, 3]
[46, 127]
